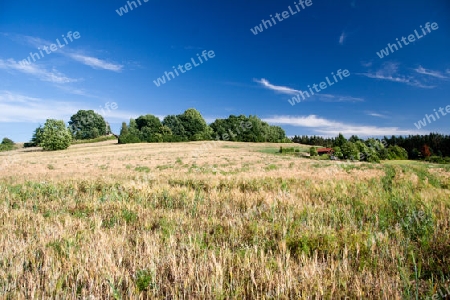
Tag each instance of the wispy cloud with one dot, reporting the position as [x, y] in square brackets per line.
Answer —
[277, 88]
[337, 98]
[34, 41]
[16, 107]
[436, 74]
[342, 38]
[193, 48]
[95, 62]
[91, 61]
[366, 64]
[76, 91]
[389, 72]
[373, 114]
[319, 96]
[330, 127]
[36, 71]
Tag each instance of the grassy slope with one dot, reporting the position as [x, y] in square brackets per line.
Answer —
[118, 221]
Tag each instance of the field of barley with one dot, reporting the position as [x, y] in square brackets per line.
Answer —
[240, 221]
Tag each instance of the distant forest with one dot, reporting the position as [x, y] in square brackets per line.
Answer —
[434, 147]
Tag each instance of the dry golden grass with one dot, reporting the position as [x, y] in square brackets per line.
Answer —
[107, 160]
[146, 221]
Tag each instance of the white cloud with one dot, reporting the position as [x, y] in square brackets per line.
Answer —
[321, 97]
[329, 127]
[389, 72]
[95, 62]
[35, 41]
[118, 115]
[15, 107]
[377, 115]
[276, 88]
[76, 91]
[342, 38]
[366, 64]
[36, 71]
[338, 98]
[436, 74]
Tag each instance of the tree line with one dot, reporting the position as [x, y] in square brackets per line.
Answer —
[188, 126]
[191, 126]
[433, 147]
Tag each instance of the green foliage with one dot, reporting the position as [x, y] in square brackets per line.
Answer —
[194, 125]
[36, 138]
[289, 150]
[338, 152]
[142, 169]
[438, 160]
[397, 152]
[340, 141]
[383, 153]
[372, 150]
[150, 133]
[354, 139]
[190, 126]
[247, 129]
[7, 144]
[271, 167]
[176, 127]
[129, 134]
[7, 141]
[350, 151]
[415, 154]
[144, 280]
[437, 144]
[55, 136]
[313, 151]
[373, 158]
[388, 179]
[87, 124]
[96, 140]
[148, 121]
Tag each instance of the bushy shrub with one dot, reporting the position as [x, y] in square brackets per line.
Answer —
[30, 144]
[313, 151]
[55, 136]
[324, 157]
[6, 145]
[373, 158]
[337, 152]
[438, 160]
[7, 141]
[129, 139]
[396, 152]
[383, 153]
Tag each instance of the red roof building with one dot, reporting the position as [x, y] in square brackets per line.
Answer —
[322, 151]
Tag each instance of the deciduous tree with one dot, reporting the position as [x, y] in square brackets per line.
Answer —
[55, 136]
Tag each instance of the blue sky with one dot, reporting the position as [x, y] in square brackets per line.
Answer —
[116, 60]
